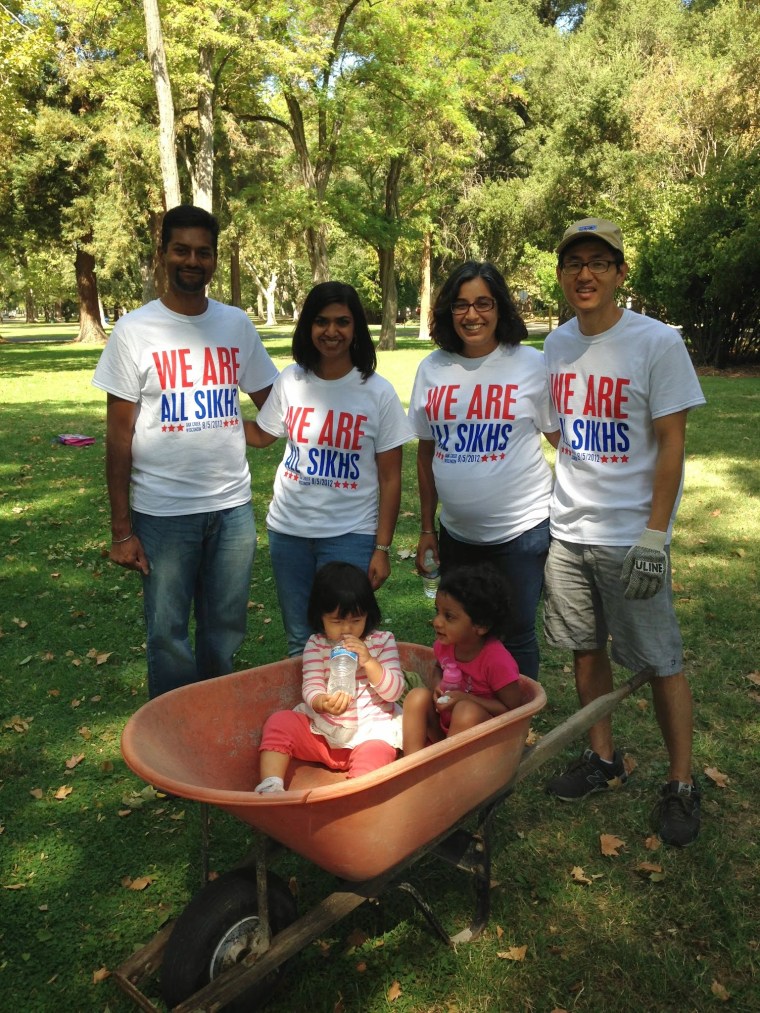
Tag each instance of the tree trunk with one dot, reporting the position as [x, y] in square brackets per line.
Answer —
[389, 295]
[90, 328]
[203, 179]
[236, 297]
[269, 293]
[316, 246]
[425, 286]
[166, 133]
[30, 306]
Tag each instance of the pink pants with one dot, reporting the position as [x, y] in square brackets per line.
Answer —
[289, 732]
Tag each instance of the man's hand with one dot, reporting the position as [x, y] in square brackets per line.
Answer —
[130, 554]
[646, 566]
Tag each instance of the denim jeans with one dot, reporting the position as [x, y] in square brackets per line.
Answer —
[521, 563]
[201, 560]
[294, 563]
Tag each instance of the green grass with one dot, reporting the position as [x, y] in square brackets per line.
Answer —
[72, 671]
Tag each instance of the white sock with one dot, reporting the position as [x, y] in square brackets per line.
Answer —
[270, 784]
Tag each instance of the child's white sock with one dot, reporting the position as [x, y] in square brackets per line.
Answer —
[270, 784]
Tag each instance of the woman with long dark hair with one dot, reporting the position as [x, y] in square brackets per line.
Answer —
[338, 487]
[479, 405]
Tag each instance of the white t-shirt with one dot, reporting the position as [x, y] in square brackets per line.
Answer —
[607, 390]
[486, 417]
[185, 373]
[326, 483]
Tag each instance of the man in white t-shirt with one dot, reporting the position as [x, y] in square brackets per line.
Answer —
[622, 385]
[173, 370]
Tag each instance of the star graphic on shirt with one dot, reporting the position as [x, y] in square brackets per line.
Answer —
[624, 458]
[171, 429]
[604, 459]
[180, 427]
[615, 458]
[163, 429]
[226, 423]
[354, 485]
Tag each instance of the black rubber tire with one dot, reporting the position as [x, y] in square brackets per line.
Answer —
[189, 959]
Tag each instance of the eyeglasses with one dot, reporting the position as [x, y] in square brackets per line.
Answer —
[483, 304]
[574, 267]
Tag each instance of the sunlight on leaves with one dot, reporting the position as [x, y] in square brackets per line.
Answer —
[63, 792]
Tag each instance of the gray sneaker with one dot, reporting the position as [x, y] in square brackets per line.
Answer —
[676, 817]
[587, 775]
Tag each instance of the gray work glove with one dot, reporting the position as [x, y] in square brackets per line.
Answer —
[646, 565]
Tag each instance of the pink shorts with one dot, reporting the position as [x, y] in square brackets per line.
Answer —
[290, 732]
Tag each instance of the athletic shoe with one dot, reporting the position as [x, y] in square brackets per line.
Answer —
[587, 775]
[676, 816]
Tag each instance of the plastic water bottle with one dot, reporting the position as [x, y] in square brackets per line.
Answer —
[342, 677]
[430, 576]
[451, 679]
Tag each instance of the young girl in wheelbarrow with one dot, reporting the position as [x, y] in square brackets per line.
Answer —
[470, 610]
[352, 734]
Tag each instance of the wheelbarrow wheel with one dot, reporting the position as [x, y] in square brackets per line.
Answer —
[218, 928]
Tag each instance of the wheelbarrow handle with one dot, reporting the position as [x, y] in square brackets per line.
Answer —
[556, 740]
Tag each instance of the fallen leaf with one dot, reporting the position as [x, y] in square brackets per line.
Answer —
[361, 967]
[629, 762]
[648, 867]
[719, 991]
[100, 975]
[642, 704]
[74, 761]
[513, 953]
[36, 793]
[75, 703]
[393, 992]
[15, 886]
[54, 692]
[579, 876]
[141, 882]
[610, 845]
[63, 792]
[101, 659]
[124, 812]
[26, 660]
[18, 724]
[21, 623]
[499, 932]
[653, 843]
[98, 698]
[754, 677]
[719, 779]
[85, 732]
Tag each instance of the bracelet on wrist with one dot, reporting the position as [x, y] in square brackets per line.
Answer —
[119, 541]
[383, 548]
[427, 531]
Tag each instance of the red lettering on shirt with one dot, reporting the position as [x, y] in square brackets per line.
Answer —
[605, 397]
[345, 434]
[562, 390]
[439, 402]
[296, 421]
[166, 367]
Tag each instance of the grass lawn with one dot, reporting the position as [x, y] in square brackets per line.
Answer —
[680, 934]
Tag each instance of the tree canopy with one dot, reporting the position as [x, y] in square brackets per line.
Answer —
[383, 142]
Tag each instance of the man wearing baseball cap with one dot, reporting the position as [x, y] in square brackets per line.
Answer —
[622, 385]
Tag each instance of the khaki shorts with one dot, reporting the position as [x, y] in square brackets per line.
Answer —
[584, 608]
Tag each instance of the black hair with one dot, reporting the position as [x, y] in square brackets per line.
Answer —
[482, 592]
[510, 326]
[344, 588]
[617, 255]
[188, 216]
[363, 354]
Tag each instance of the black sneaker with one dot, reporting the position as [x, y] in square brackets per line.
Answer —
[676, 816]
[588, 775]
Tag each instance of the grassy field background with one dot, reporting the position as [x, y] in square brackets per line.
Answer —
[75, 835]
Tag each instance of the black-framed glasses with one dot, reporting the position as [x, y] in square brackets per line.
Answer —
[483, 304]
[596, 266]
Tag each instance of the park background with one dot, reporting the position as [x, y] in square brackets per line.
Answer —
[379, 143]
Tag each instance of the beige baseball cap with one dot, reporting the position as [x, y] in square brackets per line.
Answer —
[593, 228]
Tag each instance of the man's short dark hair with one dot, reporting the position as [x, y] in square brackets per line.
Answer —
[188, 216]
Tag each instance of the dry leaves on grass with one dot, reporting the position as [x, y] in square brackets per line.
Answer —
[754, 677]
[100, 657]
[393, 992]
[719, 991]
[74, 761]
[610, 845]
[579, 876]
[513, 953]
[650, 871]
[63, 792]
[719, 779]
[100, 975]
[141, 883]
[18, 724]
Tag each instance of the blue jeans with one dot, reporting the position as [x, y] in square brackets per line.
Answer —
[521, 563]
[294, 563]
[203, 560]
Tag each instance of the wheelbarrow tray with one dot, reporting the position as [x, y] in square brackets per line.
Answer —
[201, 742]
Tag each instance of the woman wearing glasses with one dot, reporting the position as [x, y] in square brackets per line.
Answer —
[479, 405]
